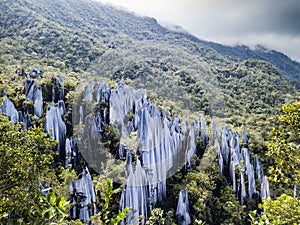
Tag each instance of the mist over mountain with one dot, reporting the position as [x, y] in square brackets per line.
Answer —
[287, 66]
[87, 35]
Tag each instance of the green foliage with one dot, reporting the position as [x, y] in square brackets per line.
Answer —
[156, 218]
[199, 187]
[51, 209]
[227, 209]
[59, 179]
[282, 210]
[289, 68]
[258, 220]
[286, 158]
[25, 157]
[253, 87]
[160, 217]
[212, 200]
[291, 117]
[106, 215]
[284, 148]
[199, 222]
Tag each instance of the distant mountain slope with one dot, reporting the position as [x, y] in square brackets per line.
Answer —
[289, 67]
[87, 36]
[94, 18]
[97, 20]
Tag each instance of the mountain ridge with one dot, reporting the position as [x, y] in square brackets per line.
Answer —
[85, 35]
[288, 66]
[87, 16]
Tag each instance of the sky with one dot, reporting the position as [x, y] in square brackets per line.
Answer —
[274, 24]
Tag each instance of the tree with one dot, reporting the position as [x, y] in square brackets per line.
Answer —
[282, 210]
[283, 147]
[106, 215]
[284, 151]
[25, 157]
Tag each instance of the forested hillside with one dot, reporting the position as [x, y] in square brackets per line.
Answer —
[157, 81]
[288, 67]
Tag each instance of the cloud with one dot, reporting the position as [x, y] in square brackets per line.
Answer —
[273, 23]
[239, 17]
